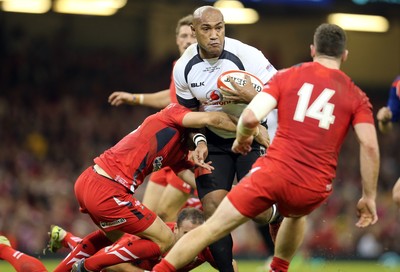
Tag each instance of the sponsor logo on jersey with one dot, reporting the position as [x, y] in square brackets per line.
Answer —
[117, 222]
[196, 85]
[211, 69]
[157, 163]
[213, 96]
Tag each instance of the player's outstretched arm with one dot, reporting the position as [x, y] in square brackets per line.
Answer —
[219, 120]
[369, 168]
[215, 119]
[158, 100]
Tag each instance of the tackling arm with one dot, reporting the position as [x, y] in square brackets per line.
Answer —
[158, 100]
[219, 120]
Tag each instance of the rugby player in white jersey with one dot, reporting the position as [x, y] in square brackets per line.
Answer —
[195, 75]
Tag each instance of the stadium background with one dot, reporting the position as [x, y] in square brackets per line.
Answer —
[57, 70]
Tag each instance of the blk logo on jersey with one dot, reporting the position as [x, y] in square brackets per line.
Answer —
[196, 85]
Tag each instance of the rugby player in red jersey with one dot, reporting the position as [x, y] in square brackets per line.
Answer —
[317, 104]
[165, 192]
[106, 190]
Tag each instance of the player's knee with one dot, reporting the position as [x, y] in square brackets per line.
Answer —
[162, 215]
[211, 201]
[209, 207]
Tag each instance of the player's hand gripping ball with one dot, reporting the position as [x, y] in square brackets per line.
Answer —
[239, 77]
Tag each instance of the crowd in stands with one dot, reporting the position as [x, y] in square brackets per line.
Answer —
[54, 119]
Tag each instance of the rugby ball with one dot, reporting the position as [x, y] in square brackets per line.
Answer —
[239, 77]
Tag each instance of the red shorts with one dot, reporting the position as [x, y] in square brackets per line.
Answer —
[264, 186]
[166, 176]
[110, 205]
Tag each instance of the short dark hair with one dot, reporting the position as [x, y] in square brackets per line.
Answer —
[195, 216]
[187, 20]
[330, 40]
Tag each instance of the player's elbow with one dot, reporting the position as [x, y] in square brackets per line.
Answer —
[249, 119]
[371, 149]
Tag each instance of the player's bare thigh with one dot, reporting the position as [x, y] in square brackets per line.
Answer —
[151, 197]
[172, 200]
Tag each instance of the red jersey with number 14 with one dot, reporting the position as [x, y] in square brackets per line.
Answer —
[157, 143]
[316, 107]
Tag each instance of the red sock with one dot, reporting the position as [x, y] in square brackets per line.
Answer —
[164, 266]
[20, 261]
[87, 247]
[279, 265]
[128, 249]
[70, 241]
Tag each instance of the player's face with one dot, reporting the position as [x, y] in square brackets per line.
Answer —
[185, 227]
[185, 38]
[210, 34]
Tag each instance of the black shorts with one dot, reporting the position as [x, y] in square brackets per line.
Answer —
[227, 164]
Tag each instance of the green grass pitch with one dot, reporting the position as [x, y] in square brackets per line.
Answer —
[257, 266]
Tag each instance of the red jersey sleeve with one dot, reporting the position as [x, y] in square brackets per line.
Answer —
[272, 86]
[175, 113]
[362, 108]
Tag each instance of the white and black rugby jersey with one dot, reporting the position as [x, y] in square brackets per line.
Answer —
[196, 78]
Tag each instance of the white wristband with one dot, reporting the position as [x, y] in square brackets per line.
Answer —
[141, 98]
[198, 138]
[138, 99]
